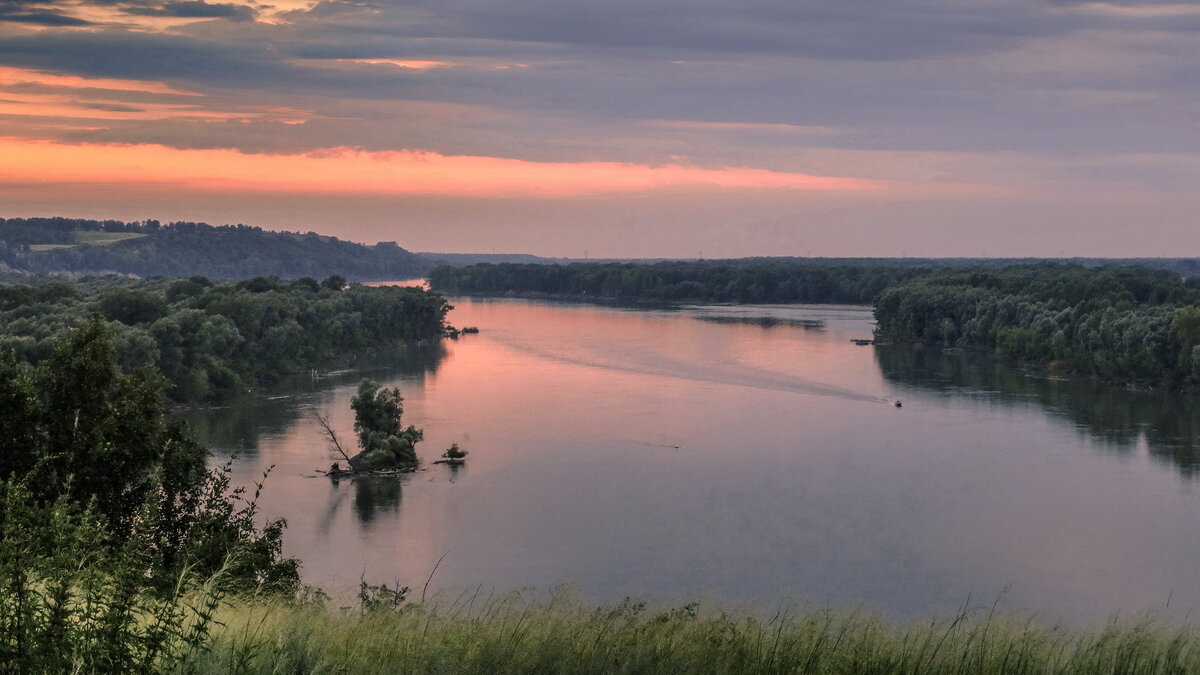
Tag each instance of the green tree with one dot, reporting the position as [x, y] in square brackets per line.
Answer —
[19, 417]
[79, 431]
[131, 306]
[377, 421]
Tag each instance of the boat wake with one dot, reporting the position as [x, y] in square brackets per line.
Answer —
[659, 365]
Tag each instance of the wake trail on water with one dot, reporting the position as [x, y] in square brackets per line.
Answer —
[660, 366]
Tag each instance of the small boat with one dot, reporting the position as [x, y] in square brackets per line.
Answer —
[899, 404]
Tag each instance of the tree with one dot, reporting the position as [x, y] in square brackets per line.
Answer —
[78, 431]
[19, 416]
[132, 306]
[383, 441]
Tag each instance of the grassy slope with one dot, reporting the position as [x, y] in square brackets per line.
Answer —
[514, 636]
[104, 238]
[89, 237]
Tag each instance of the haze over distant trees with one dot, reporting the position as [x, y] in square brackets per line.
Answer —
[147, 248]
[745, 281]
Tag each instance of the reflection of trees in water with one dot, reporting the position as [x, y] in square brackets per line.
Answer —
[240, 423]
[765, 321]
[373, 496]
[1119, 417]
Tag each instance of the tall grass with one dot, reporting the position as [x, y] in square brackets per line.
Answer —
[515, 635]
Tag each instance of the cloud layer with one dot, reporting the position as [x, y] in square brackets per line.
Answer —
[1059, 102]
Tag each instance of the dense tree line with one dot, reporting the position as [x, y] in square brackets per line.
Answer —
[187, 248]
[1125, 324]
[753, 281]
[212, 338]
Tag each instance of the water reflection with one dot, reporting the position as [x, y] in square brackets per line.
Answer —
[1119, 418]
[240, 425]
[766, 321]
[648, 453]
[375, 496]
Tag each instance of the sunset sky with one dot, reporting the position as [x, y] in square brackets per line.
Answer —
[626, 128]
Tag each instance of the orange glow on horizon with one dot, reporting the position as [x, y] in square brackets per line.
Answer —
[354, 171]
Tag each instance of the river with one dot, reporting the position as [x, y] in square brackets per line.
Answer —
[748, 455]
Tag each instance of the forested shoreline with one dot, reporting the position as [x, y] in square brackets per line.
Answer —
[1121, 324]
[1125, 324]
[210, 338]
[745, 281]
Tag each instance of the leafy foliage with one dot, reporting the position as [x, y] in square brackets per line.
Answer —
[213, 338]
[760, 281]
[382, 438]
[73, 598]
[116, 542]
[1125, 324]
[94, 437]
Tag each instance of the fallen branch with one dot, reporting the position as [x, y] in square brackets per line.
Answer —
[333, 439]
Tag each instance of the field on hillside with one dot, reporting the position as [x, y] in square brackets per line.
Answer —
[90, 237]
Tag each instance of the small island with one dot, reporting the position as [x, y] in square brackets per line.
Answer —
[453, 456]
[385, 446]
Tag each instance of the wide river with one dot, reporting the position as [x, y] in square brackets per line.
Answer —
[747, 455]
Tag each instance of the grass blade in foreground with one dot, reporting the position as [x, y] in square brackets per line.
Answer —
[517, 636]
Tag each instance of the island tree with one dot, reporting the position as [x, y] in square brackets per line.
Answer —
[384, 442]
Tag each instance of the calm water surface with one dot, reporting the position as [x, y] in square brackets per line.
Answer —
[744, 454]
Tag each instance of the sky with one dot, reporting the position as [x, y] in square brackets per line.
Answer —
[624, 128]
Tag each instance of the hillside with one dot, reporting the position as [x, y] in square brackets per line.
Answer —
[148, 248]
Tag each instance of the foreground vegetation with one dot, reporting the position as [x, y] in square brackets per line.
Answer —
[117, 543]
[514, 635]
[211, 338]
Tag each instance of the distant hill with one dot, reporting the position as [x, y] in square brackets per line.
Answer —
[181, 249]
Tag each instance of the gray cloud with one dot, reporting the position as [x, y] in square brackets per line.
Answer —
[36, 13]
[196, 9]
[807, 28]
[907, 75]
[111, 107]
